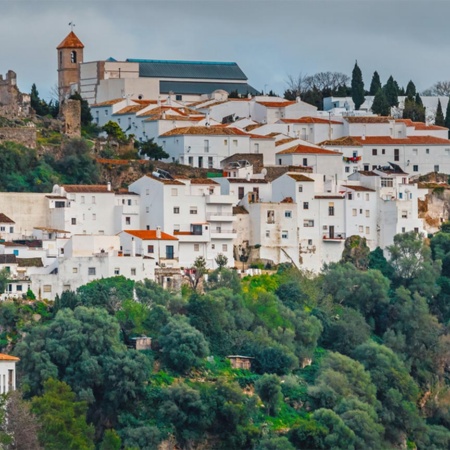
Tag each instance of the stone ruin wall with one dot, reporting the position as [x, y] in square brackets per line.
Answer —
[23, 135]
[13, 104]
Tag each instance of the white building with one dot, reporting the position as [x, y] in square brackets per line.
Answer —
[7, 373]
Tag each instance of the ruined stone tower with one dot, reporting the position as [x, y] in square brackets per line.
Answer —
[70, 55]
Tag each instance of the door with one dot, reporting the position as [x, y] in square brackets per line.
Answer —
[331, 231]
[169, 251]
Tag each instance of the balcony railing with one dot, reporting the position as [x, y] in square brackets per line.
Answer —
[335, 237]
[352, 159]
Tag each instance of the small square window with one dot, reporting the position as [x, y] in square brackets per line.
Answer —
[193, 210]
[94, 217]
[267, 233]
[91, 271]
[133, 272]
[74, 221]
[374, 152]
[310, 242]
[196, 247]
[127, 220]
[74, 269]
[284, 234]
[174, 192]
[288, 214]
[367, 212]
[300, 188]
[150, 249]
[354, 211]
[47, 288]
[213, 246]
[224, 247]
[176, 210]
[116, 271]
[305, 205]
[427, 151]
[19, 288]
[415, 168]
[367, 230]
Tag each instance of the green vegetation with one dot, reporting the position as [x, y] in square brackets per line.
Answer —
[357, 87]
[354, 358]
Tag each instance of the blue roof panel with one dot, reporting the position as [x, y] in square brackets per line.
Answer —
[189, 69]
[199, 88]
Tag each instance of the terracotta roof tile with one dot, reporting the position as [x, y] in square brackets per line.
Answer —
[244, 180]
[309, 119]
[203, 181]
[329, 196]
[420, 125]
[70, 41]
[30, 262]
[150, 235]
[306, 149]
[358, 188]
[276, 104]
[346, 141]
[410, 140]
[108, 102]
[94, 188]
[131, 109]
[4, 357]
[300, 177]
[8, 258]
[206, 131]
[368, 173]
[239, 210]
[368, 119]
[5, 219]
[284, 141]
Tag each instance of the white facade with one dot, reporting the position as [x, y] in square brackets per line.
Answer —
[7, 373]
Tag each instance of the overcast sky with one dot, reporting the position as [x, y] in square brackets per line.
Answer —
[269, 39]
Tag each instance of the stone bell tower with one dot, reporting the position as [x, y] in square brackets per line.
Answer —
[70, 55]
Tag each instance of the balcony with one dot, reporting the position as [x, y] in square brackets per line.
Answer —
[219, 199]
[352, 159]
[188, 236]
[223, 234]
[220, 217]
[334, 237]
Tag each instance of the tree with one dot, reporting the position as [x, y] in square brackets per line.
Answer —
[182, 346]
[339, 435]
[375, 84]
[113, 130]
[356, 251]
[221, 261]
[380, 104]
[19, 426]
[111, 441]
[411, 90]
[269, 390]
[414, 110]
[391, 91]
[40, 106]
[77, 165]
[439, 117]
[4, 276]
[274, 443]
[357, 86]
[196, 272]
[440, 88]
[86, 116]
[62, 418]
[151, 149]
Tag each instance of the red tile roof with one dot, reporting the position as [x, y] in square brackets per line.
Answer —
[200, 130]
[420, 125]
[367, 119]
[130, 109]
[276, 104]
[70, 41]
[312, 120]
[203, 181]
[5, 219]
[346, 141]
[108, 102]
[306, 149]
[94, 188]
[283, 141]
[358, 188]
[299, 177]
[150, 235]
[354, 141]
[4, 357]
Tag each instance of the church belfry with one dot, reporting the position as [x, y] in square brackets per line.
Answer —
[70, 55]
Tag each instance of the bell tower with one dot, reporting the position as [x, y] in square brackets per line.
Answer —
[70, 55]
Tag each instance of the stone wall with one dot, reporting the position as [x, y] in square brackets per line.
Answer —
[71, 112]
[12, 102]
[22, 135]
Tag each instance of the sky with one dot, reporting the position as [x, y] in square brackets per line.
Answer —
[269, 39]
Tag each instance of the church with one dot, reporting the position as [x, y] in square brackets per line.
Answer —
[143, 79]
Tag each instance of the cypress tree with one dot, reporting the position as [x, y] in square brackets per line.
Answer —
[439, 118]
[447, 117]
[380, 104]
[391, 91]
[357, 87]
[419, 100]
[375, 84]
[411, 90]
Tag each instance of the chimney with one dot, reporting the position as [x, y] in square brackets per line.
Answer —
[133, 247]
[108, 186]
[158, 232]
[297, 99]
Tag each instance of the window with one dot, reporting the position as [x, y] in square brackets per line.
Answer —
[256, 148]
[300, 188]
[427, 151]
[147, 192]
[213, 246]
[366, 167]
[133, 272]
[367, 230]
[267, 233]
[224, 247]
[178, 97]
[196, 247]
[174, 192]
[374, 152]
[347, 169]
[367, 197]
[367, 212]
[94, 217]
[60, 58]
[176, 227]
[350, 195]
[305, 205]
[150, 249]
[396, 154]
[270, 216]
[284, 234]
[91, 271]
[106, 112]
[210, 162]
[19, 288]
[147, 209]
[127, 220]
[225, 142]
[360, 211]
[354, 211]
[415, 168]
[74, 221]
[116, 271]
[436, 168]
[235, 142]
[74, 269]
[47, 288]
[361, 229]
[404, 214]
[11, 229]
[288, 214]
[2, 228]
[206, 145]
[308, 223]
[387, 182]
[193, 210]
[305, 161]
[240, 193]
[82, 199]
[93, 200]
[400, 195]
[176, 210]
[383, 151]
[331, 209]
[73, 56]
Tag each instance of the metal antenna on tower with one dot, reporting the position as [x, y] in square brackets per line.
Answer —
[71, 24]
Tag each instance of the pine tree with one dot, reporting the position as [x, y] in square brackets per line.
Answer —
[439, 117]
[447, 117]
[414, 110]
[40, 106]
[375, 85]
[391, 91]
[380, 104]
[357, 87]
[411, 90]
[419, 100]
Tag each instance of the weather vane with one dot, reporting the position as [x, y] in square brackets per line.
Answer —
[71, 24]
